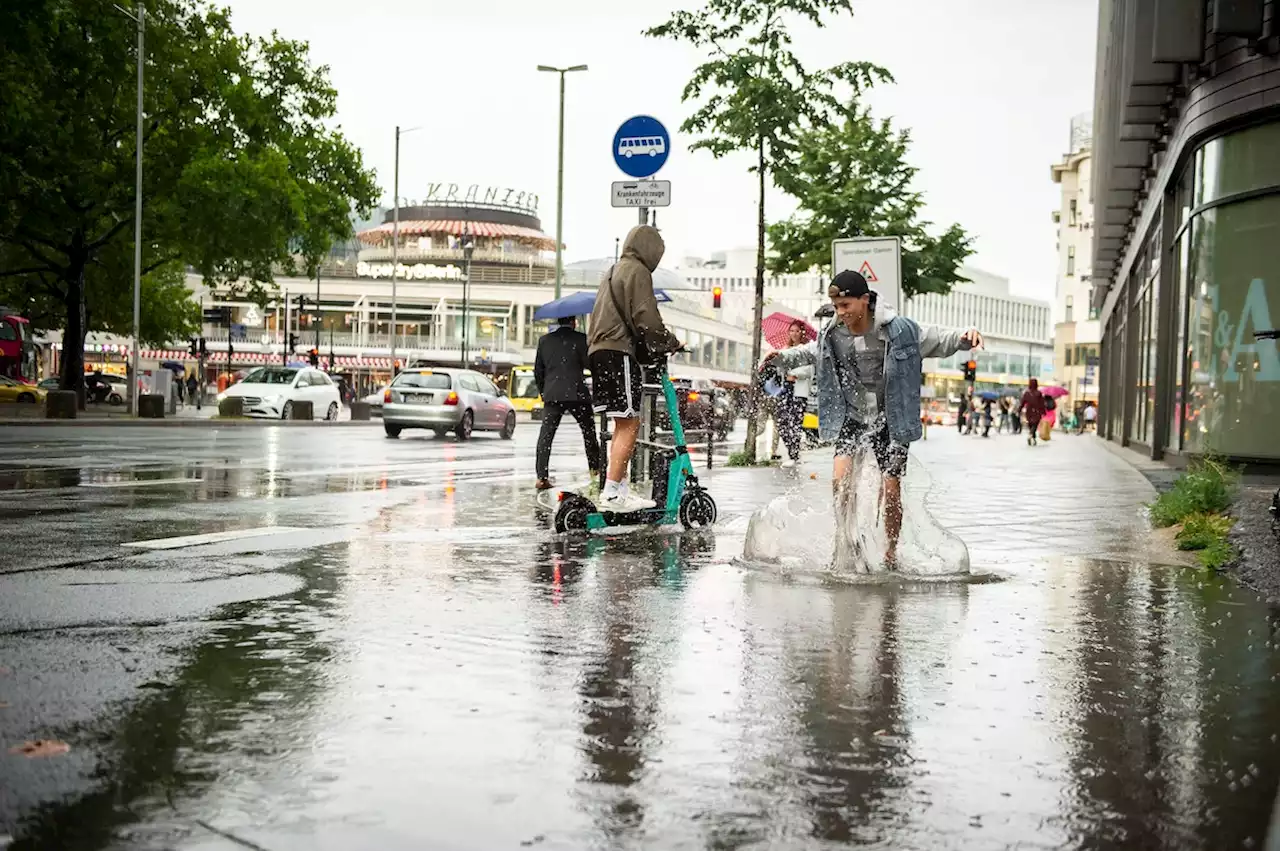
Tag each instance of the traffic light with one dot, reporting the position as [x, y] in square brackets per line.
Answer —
[204, 348]
[194, 347]
[715, 297]
[293, 343]
[971, 371]
[314, 357]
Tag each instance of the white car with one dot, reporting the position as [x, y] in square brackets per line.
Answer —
[270, 391]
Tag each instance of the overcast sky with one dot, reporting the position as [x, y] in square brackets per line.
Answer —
[987, 87]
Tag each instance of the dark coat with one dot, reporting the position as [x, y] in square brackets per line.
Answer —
[558, 368]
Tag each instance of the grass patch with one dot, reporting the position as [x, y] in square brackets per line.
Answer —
[1196, 501]
[739, 459]
[1205, 488]
[1201, 531]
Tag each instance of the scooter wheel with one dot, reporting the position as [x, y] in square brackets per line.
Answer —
[571, 516]
[697, 510]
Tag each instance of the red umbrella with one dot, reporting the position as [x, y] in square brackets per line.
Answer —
[775, 327]
[1054, 392]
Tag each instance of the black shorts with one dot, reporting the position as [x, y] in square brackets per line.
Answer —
[892, 457]
[616, 384]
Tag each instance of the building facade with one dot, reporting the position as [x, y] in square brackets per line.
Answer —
[1016, 332]
[1077, 333]
[1186, 266]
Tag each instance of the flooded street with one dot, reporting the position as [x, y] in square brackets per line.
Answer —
[317, 638]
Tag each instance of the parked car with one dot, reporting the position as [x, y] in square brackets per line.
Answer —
[49, 384]
[702, 406]
[271, 391]
[16, 391]
[444, 400]
[375, 401]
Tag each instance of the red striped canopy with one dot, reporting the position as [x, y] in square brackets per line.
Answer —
[457, 227]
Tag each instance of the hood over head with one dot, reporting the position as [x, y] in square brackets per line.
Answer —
[646, 245]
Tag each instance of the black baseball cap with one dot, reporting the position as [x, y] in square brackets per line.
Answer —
[848, 284]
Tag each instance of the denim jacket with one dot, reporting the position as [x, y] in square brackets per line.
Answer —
[908, 343]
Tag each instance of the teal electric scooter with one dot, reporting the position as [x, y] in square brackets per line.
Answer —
[676, 492]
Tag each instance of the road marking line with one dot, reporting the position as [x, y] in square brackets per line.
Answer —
[138, 483]
[210, 537]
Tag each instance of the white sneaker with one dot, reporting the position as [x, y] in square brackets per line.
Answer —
[788, 464]
[625, 503]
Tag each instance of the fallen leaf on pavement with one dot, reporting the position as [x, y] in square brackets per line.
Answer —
[40, 747]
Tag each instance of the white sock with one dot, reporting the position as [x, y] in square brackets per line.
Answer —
[611, 489]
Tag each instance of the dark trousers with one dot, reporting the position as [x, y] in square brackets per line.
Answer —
[551, 414]
[789, 416]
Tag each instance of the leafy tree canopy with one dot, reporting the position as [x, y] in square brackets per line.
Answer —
[240, 158]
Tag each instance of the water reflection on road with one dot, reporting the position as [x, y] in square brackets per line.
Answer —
[451, 675]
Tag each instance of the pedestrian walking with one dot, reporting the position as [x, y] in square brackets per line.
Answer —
[1050, 418]
[987, 417]
[1090, 416]
[962, 413]
[1032, 409]
[558, 373]
[193, 389]
[1004, 416]
[794, 399]
[867, 363]
[626, 332]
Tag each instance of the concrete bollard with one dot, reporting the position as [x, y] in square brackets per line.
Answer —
[232, 406]
[301, 410]
[151, 406]
[61, 405]
[361, 411]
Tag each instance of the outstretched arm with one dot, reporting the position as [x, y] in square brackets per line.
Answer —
[938, 342]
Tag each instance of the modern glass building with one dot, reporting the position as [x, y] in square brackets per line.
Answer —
[1187, 246]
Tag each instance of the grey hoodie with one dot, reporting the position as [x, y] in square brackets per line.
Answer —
[631, 280]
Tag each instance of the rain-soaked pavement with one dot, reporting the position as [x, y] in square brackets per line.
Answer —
[376, 644]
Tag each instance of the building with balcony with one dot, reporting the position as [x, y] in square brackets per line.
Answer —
[1077, 334]
[1186, 185]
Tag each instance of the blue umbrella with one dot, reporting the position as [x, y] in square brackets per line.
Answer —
[578, 304]
[172, 366]
[296, 364]
[989, 394]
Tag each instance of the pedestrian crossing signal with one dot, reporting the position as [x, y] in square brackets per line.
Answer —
[715, 297]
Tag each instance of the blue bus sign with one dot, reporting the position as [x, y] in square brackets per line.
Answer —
[641, 146]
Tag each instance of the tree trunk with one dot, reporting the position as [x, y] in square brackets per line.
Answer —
[753, 404]
[72, 374]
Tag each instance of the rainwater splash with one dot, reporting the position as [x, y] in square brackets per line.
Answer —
[803, 531]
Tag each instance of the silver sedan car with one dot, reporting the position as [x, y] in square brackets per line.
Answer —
[444, 400]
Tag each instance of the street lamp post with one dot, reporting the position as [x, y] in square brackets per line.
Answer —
[395, 243]
[560, 176]
[140, 18]
[467, 248]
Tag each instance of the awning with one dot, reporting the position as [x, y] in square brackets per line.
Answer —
[456, 227]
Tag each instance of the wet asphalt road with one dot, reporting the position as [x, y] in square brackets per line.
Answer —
[381, 646]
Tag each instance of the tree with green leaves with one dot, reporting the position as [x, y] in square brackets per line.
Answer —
[852, 179]
[240, 161]
[754, 95]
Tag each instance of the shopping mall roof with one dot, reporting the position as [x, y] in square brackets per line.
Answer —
[458, 227]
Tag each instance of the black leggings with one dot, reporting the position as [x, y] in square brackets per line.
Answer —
[789, 416]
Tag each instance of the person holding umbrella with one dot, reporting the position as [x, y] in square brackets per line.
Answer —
[558, 372]
[796, 383]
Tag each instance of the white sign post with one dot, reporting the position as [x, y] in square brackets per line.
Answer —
[876, 258]
[642, 193]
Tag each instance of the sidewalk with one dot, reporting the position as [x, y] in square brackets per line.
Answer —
[1009, 502]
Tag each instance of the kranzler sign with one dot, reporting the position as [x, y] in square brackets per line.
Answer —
[461, 194]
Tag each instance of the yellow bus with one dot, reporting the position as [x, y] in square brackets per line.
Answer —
[522, 390]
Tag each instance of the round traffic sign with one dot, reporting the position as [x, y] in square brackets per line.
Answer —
[640, 146]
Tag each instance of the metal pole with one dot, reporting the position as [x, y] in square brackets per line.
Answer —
[137, 221]
[318, 311]
[560, 197]
[395, 250]
[466, 304]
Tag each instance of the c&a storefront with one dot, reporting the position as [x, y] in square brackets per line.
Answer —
[1183, 372]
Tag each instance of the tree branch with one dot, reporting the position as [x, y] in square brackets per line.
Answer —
[109, 235]
[29, 270]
